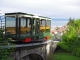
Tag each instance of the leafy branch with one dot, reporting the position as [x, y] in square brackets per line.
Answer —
[4, 52]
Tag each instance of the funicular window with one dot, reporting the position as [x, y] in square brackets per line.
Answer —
[23, 22]
[42, 25]
[25, 26]
[11, 25]
[42, 22]
[48, 24]
[28, 23]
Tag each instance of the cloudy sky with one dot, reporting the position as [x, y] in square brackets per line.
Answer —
[49, 8]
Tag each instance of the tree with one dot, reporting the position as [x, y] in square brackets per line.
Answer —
[71, 21]
[71, 40]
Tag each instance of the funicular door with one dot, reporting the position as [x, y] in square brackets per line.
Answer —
[25, 29]
[36, 29]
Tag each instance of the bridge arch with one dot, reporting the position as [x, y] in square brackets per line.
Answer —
[35, 51]
[33, 56]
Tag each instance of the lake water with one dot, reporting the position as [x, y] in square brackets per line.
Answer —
[59, 22]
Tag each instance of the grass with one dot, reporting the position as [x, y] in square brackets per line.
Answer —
[63, 56]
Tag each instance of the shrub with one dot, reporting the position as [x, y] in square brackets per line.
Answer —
[4, 52]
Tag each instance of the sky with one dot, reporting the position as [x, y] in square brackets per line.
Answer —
[50, 8]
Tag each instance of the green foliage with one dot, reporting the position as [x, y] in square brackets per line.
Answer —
[4, 52]
[71, 40]
[51, 36]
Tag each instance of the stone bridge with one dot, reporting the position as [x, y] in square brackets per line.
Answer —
[34, 51]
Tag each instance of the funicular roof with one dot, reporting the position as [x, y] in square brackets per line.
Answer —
[20, 14]
[26, 14]
[14, 13]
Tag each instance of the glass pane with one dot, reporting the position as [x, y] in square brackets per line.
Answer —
[48, 25]
[42, 25]
[48, 22]
[28, 23]
[23, 22]
[10, 25]
[42, 22]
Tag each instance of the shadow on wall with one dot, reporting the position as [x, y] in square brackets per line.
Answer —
[32, 57]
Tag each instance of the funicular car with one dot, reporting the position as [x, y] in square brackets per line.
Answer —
[23, 27]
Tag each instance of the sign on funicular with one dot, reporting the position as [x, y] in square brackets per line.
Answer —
[2, 20]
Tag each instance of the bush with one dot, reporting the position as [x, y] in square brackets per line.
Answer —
[4, 52]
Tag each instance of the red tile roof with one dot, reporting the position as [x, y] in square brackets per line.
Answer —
[61, 29]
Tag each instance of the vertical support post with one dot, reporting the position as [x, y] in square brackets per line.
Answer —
[19, 20]
[17, 27]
